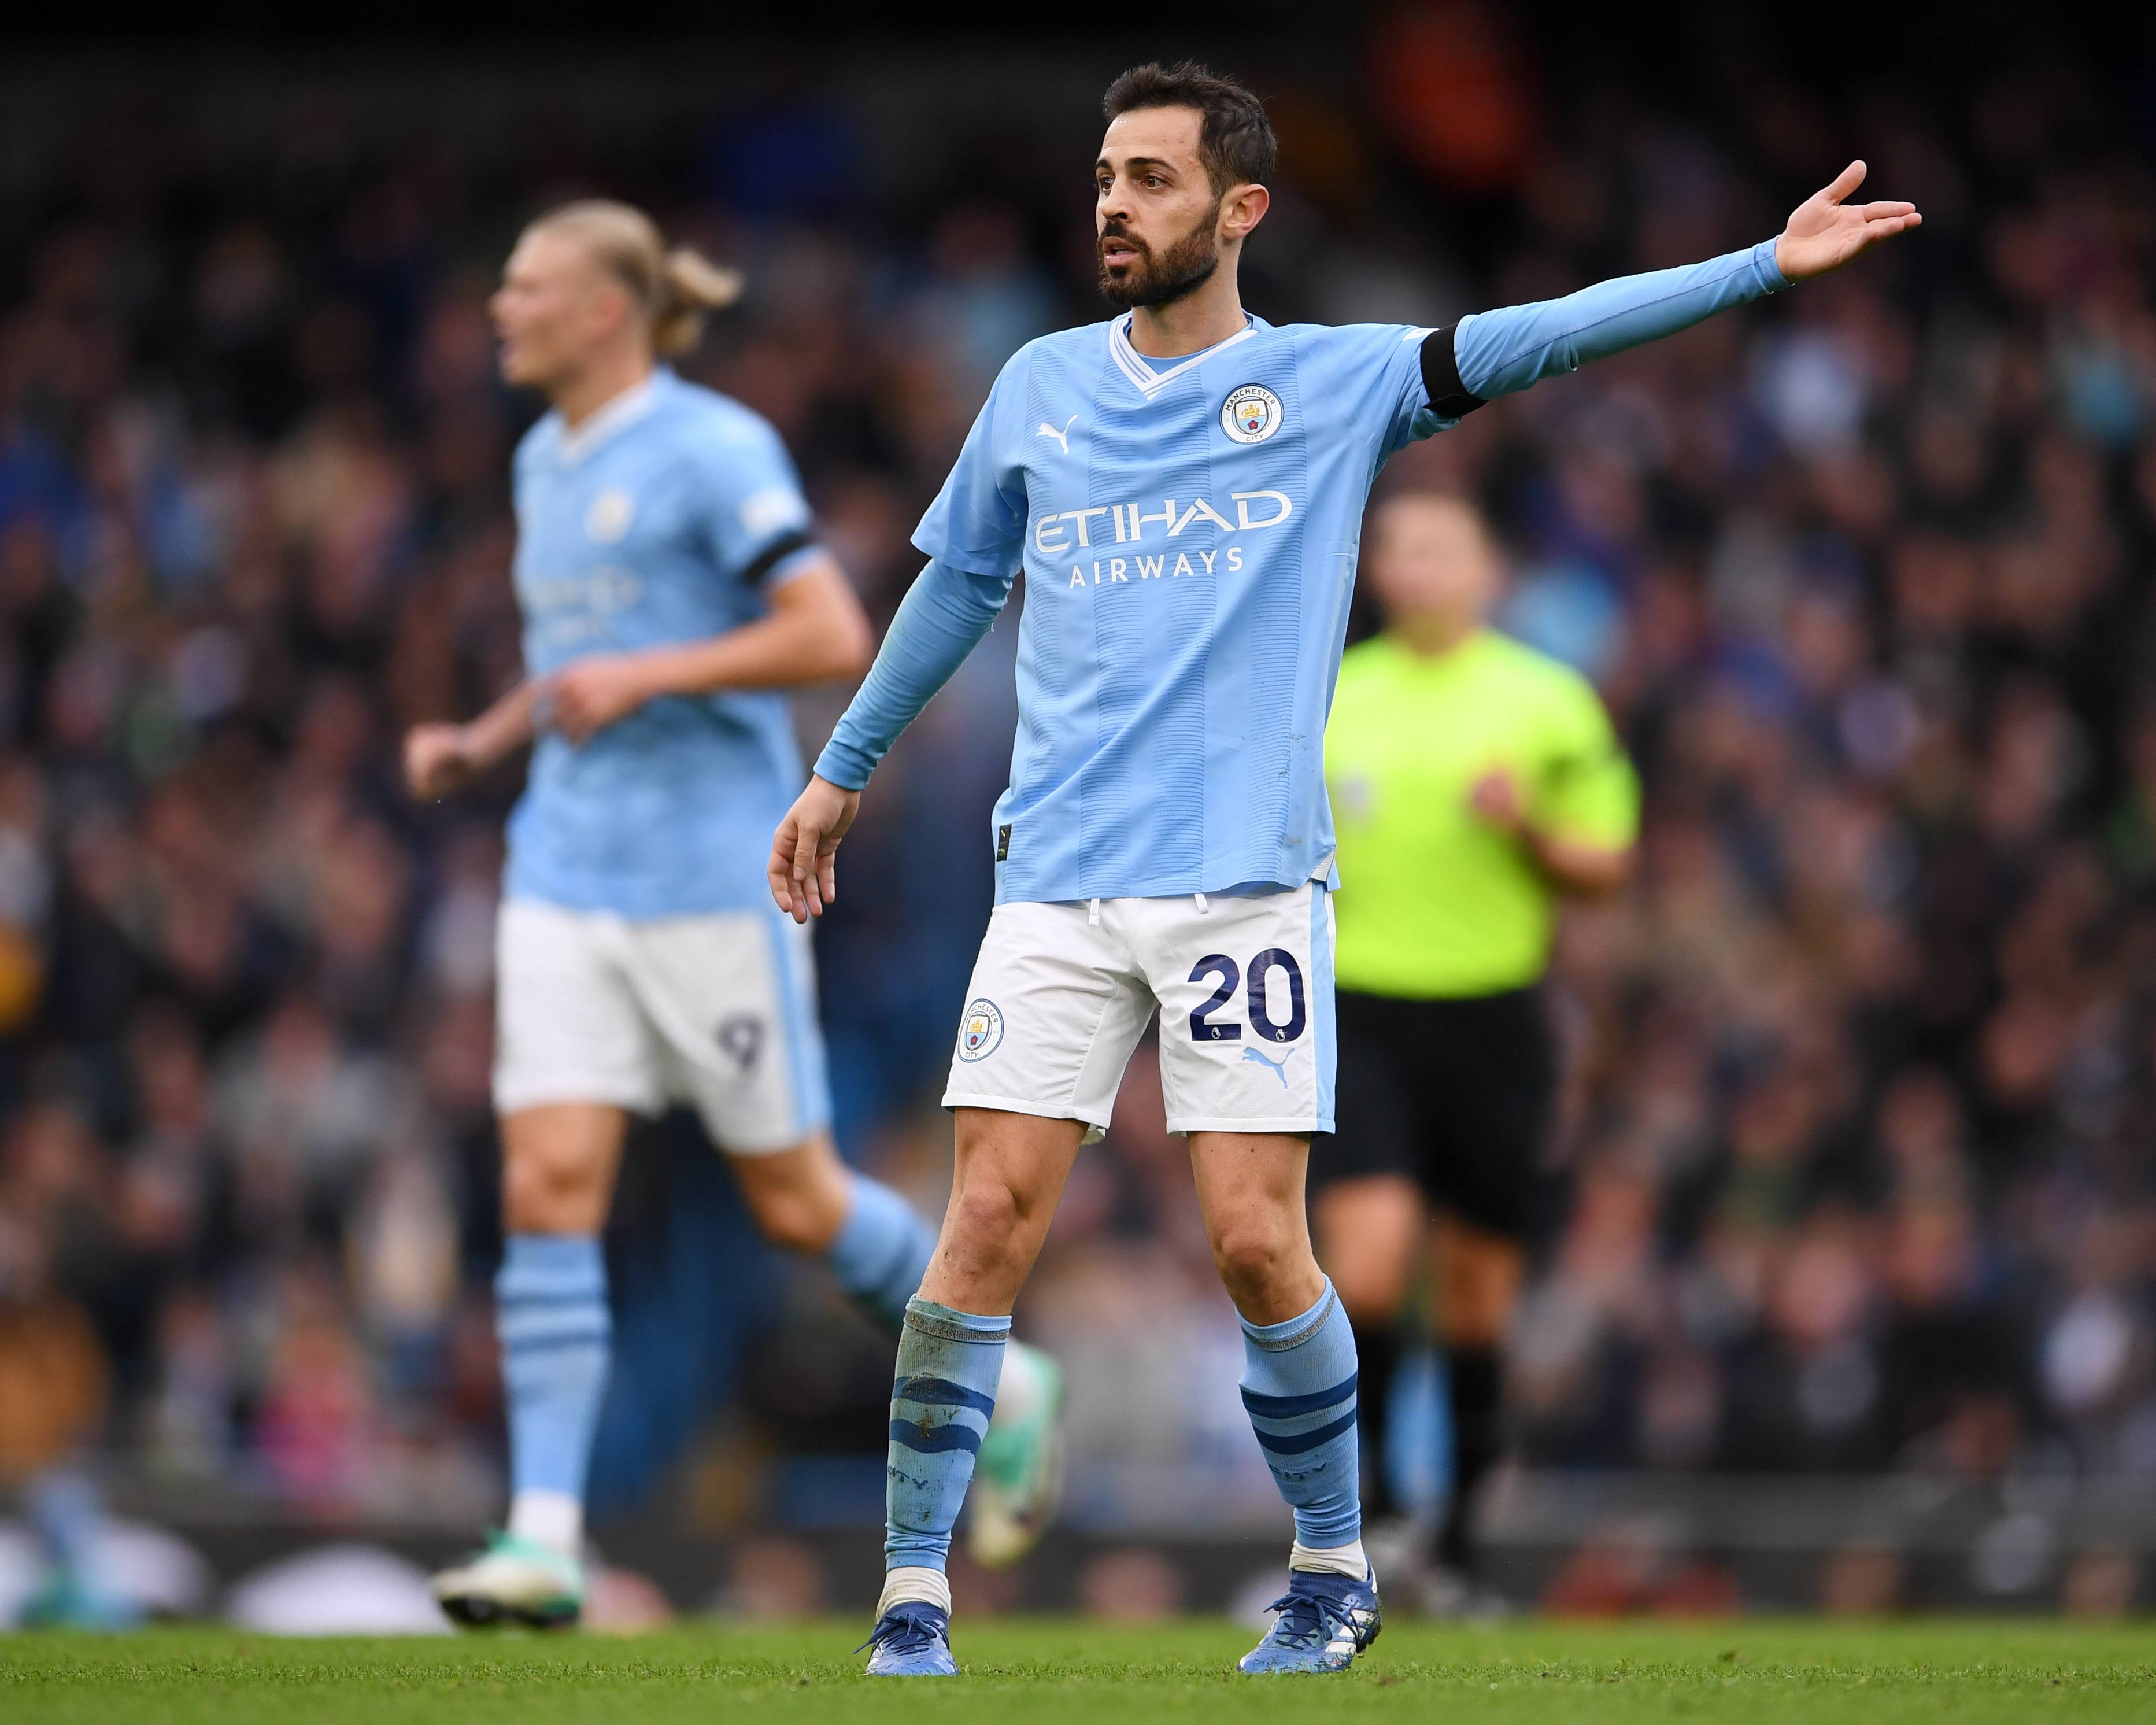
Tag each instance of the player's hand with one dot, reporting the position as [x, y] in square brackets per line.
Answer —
[439, 759]
[590, 695]
[1495, 798]
[1823, 233]
[803, 873]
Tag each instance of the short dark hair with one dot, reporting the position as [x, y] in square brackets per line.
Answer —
[1235, 140]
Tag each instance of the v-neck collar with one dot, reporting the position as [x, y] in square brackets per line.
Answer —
[1150, 382]
[617, 416]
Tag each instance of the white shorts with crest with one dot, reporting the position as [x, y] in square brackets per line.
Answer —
[1243, 983]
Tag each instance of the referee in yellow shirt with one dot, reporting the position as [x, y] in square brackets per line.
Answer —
[1476, 784]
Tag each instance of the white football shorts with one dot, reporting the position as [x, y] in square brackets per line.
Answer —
[718, 1012]
[1061, 993]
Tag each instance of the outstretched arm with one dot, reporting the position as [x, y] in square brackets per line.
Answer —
[942, 617]
[1503, 351]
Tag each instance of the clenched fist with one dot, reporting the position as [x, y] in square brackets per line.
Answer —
[440, 759]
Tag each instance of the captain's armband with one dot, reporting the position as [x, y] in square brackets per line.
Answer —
[1449, 399]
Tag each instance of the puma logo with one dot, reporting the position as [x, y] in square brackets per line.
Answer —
[1062, 437]
[1279, 1067]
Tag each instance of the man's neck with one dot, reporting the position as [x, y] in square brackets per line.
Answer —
[1435, 634]
[604, 380]
[1205, 317]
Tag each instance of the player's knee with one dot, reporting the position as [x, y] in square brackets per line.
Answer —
[799, 1197]
[1369, 1293]
[1253, 1252]
[800, 1227]
[549, 1194]
[795, 1219]
[1480, 1314]
[985, 1214]
[1479, 1286]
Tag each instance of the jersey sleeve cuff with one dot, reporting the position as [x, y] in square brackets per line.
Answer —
[843, 765]
[1770, 272]
[1449, 399]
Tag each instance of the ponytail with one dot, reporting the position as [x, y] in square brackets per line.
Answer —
[672, 290]
[690, 285]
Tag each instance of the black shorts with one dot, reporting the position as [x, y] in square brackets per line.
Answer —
[1456, 1095]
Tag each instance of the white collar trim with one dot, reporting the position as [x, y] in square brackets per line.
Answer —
[1149, 382]
[618, 415]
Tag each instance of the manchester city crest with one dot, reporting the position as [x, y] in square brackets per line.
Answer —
[610, 516]
[1250, 414]
[980, 1031]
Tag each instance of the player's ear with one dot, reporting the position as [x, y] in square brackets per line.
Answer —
[611, 307]
[1242, 209]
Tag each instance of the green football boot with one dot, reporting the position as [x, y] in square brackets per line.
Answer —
[513, 1581]
[1017, 1477]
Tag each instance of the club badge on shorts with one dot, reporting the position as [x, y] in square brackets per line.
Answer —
[981, 1031]
[1250, 414]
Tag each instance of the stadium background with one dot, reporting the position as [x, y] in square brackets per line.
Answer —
[1854, 1302]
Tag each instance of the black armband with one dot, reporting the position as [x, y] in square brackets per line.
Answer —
[776, 553]
[1449, 398]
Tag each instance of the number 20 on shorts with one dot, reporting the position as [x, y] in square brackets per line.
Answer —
[1226, 976]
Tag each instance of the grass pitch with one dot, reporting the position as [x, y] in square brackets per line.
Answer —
[1058, 1669]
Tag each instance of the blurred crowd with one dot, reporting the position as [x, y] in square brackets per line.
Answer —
[1862, 1074]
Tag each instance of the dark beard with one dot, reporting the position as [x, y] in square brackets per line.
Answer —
[1187, 263]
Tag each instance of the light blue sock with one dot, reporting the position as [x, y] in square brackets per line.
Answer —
[881, 1252]
[1299, 1385]
[949, 1364]
[551, 1313]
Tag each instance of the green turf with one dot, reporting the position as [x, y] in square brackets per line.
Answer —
[1962, 1671]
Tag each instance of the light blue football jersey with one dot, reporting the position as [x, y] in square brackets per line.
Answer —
[666, 518]
[1189, 532]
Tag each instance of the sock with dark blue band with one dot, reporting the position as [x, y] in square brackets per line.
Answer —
[949, 1364]
[1299, 1388]
[557, 1334]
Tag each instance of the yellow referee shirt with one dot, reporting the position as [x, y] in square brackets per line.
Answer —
[1435, 903]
